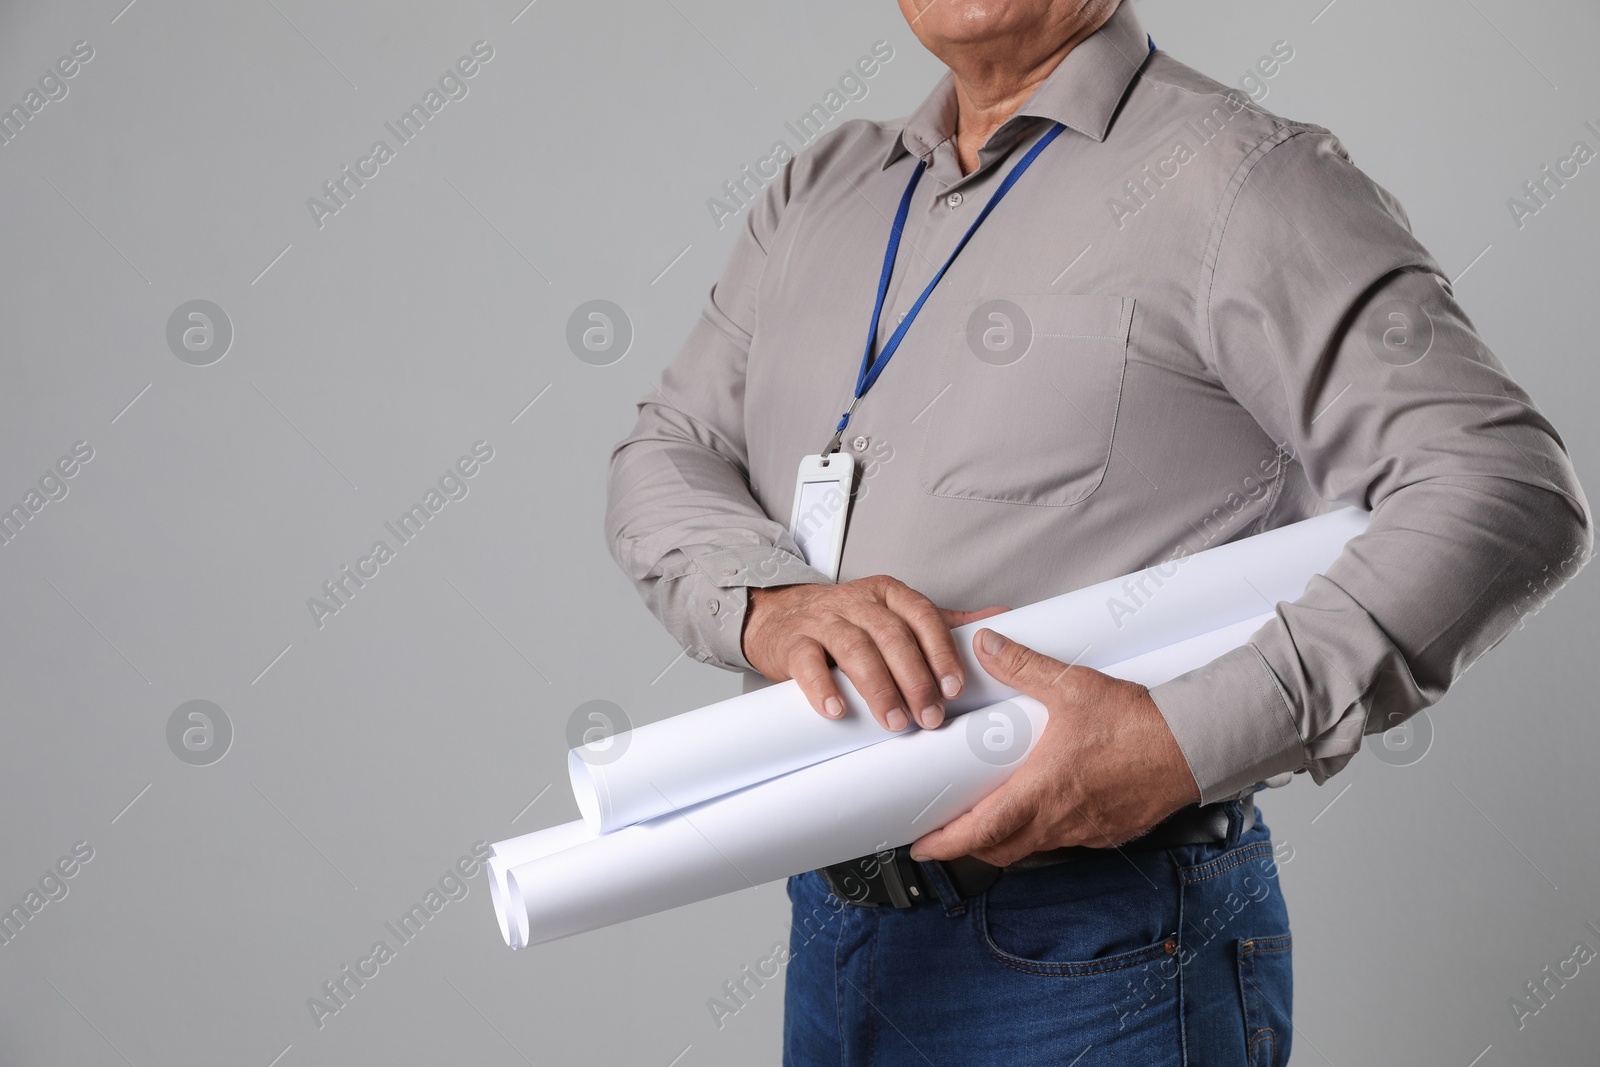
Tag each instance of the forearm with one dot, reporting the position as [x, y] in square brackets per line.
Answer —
[1447, 569]
[682, 524]
[1442, 575]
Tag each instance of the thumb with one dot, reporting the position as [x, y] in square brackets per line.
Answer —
[1015, 664]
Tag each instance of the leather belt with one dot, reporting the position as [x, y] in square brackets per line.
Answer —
[892, 877]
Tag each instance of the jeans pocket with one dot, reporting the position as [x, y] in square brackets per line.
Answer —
[1066, 923]
[1266, 984]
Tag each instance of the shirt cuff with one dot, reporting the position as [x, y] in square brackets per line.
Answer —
[720, 583]
[1232, 722]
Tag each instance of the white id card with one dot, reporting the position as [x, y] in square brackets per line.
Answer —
[821, 509]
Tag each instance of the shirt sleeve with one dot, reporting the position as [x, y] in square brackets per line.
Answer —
[1327, 320]
[680, 518]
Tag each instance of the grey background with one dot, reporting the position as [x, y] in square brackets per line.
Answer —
[432, 711]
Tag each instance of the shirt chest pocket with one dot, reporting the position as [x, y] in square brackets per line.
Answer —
[1032, 388]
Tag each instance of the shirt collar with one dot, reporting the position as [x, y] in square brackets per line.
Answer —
[1083, 92]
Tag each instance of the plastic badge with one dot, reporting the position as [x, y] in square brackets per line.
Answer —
[822, 509]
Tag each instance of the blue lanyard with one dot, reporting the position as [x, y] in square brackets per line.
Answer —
[870, 367]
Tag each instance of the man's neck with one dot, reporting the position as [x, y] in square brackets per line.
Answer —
[983, 106]
[990, 87]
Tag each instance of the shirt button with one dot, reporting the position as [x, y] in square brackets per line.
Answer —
[954, 199]
[712, 606]
[860, 443]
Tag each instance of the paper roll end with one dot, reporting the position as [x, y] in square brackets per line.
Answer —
[585, 790]
[500, 897]
[516, 913]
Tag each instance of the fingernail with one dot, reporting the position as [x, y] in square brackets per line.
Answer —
[896, 720]
[932, 716]
[920, 857]
[950, 685]
[992, 642]
[834, 707]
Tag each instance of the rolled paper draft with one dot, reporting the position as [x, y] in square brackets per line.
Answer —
[852, 805]
[683, 760]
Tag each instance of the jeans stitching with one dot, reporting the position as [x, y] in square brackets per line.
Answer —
[1248, 983]
[1179, 976]
[1251, 1012]
[838, 974]
[1266, 1033]
[1063, 969]
[1226, 861]
[872, 973]
[1047, 970]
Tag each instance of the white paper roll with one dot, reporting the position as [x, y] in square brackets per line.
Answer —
[692, 757]
[504, 855]
[852, 805]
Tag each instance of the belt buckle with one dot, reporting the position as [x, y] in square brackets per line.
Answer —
[891, 872]
[901, 880]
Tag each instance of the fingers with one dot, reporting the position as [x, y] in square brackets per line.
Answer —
[808, 665]
[891, 642]
[995, 819]
[904, 655]
[1016, 664]
[1022, 843]
[936, 647]
[857, 654]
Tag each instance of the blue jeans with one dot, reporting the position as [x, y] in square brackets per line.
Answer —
[1172, 956]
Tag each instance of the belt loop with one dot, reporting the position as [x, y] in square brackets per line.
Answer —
[1236, 827]
[935, 875]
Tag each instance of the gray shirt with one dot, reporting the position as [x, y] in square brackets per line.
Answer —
[1190, 321]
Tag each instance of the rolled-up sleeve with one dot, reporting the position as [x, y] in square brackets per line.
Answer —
[680, 518]
[1327, 320]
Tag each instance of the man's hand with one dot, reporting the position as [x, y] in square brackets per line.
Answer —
[892, 642]
[1105, 770]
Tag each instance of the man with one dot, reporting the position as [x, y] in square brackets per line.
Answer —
[1188, 321]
